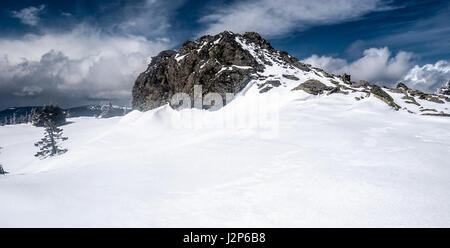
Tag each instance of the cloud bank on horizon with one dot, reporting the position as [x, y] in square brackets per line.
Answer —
[98, 54]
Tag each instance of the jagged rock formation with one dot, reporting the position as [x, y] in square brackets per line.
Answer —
[219, 63]
[228, 63]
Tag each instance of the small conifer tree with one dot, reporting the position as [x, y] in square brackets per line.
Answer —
[49, 145]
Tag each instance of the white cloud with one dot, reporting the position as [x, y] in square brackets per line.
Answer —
[330, 64]
[30, 15]
[376, 65]
[98, 58]
[72, 67]
[430, 76]
[271, 18]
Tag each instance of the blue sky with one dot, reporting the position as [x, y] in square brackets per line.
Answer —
[86, 51]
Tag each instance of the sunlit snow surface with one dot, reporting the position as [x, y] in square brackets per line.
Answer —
[333, 162]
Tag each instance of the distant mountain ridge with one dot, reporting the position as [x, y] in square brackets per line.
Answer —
[22, 114]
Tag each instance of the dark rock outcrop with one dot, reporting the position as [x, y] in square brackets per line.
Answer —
[218, 63]
[383, 96]
[346, 78]
[268, 85]
[337, 89]
[291, 77]
[313, 87]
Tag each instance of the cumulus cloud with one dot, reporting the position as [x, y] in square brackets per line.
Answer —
[79, 67]
[377, 65]
[98, 58]
[271, 18]
[30, 15]
[430, 76]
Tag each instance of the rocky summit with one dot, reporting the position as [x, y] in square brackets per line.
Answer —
[229, 63]
[221, 64]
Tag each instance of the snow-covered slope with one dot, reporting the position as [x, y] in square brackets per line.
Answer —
[280, 158]
[333, 162]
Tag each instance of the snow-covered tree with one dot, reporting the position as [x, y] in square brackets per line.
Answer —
[445, 89]
[49, 145]
[2, 172]
[30, 116]
[108, 111]
[51, 112]
[14, 119]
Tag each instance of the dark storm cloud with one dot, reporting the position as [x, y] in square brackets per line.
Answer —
[83, 68]
[99, 58]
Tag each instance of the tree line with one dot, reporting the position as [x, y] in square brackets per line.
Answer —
[15, 119]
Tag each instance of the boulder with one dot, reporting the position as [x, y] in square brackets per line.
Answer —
[313, 87]
[291, 77]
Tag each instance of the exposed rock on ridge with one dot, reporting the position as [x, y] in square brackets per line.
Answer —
[218, 63]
